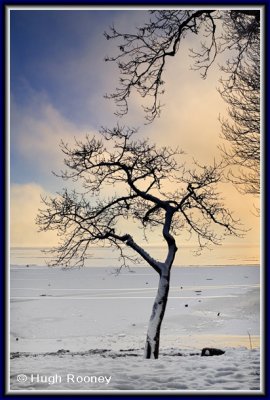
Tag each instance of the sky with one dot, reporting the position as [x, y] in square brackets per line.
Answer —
[58, 79]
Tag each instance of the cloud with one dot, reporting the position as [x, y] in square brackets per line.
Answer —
[189, 117]
[25, 201]
[37, 130]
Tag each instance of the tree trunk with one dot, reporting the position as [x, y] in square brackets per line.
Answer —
[153, 333]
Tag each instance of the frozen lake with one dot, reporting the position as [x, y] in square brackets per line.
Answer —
[92, 305]
[91, 309]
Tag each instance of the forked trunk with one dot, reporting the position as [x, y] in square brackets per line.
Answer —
[153, 333]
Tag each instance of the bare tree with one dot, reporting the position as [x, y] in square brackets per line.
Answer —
[140, 172]
[242, 131]
[143, 55]
[142, 59]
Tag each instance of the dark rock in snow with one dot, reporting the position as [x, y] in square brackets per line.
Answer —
[210, 351]
[17, 339]
[129, 349]
[218, 314]
[62, 351]
[16, 354]
[186, 305]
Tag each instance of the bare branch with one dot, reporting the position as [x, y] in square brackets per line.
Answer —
[143, 55]
[242, 130]
[141, 169]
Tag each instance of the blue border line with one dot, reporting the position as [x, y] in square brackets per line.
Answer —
[4, 183]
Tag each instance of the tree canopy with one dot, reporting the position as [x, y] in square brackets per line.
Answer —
[141, 171]
[142, 57]
[242, 129]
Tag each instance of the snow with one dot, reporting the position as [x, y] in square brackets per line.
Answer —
[91, 323]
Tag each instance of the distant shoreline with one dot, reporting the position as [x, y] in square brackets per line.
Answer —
[108, 257]
[31, 266]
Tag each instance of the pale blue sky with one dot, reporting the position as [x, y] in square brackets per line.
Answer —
[48, 49]
[45, 46]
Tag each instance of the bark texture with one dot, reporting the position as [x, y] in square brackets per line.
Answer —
[158, 311]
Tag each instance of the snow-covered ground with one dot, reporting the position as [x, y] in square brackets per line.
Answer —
[84, 329]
